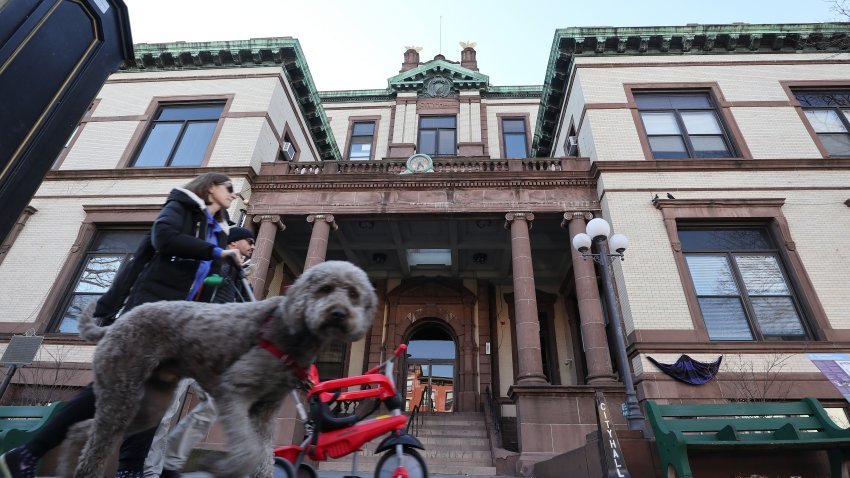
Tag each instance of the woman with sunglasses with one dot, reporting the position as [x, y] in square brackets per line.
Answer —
[189, 240]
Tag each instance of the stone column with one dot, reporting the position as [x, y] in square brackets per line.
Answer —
[268, 227]
[592, 321]
[527, 325]
[318, 249]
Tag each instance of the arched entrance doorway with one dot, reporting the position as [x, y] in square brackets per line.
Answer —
[431, 372]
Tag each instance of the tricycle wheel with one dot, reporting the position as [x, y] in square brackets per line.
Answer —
[306, 471]
[283, 469]
[413, 463]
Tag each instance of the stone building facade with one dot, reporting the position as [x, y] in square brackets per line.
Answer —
[721, 151]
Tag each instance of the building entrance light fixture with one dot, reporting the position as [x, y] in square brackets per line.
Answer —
[598, 231]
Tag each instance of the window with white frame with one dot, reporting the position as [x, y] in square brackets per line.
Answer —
[828, 112]
[683, 125]
[741, 284]
[362, 137]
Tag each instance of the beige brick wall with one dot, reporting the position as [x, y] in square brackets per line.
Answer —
[38, 254]
[572, 112]
[106, 142]
[340, 125]
[235, 143]
[756, 364]
[650, 292]
[615, 135]
[739, 83]
[615, 132]
[783, 136]
[100, 145]
[653, 295]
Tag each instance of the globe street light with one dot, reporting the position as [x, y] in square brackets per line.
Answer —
[598, 231]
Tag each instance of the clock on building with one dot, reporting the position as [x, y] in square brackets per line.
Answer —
[419, 163]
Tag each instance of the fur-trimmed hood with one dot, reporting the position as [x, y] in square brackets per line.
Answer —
[191, 199]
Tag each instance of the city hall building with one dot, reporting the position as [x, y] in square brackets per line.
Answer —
[721, 151]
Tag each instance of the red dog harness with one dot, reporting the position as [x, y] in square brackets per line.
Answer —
[286, 359]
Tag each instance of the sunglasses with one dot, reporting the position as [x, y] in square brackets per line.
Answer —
[228, 185]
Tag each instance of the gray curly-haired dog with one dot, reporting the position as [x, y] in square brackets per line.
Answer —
[139, 359]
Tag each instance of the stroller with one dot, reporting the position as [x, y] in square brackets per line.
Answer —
[332, 432]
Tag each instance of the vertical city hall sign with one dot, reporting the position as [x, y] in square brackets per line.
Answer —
[54, 57]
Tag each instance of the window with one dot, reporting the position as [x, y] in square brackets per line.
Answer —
[331, 361]
[741, 285]
[179, 135]
[828, 113]
[362, 134]
[682, 125]
[514, 138]
[437, 135]
[110, 249]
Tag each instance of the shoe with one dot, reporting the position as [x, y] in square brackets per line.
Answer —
[170, 474]
[129, 474]
[18, 463]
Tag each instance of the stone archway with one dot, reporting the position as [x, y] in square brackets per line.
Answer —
[452, 305]
[430, 367]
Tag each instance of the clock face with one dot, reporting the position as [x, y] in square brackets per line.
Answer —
[419, 163]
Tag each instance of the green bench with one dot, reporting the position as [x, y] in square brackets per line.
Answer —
[763, 425]
[19, 424]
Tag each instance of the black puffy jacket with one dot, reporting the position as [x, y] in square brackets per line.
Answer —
[177, 236]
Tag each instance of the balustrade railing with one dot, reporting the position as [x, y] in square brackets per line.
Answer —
[396, 166]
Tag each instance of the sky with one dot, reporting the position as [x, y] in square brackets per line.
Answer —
[358, 44]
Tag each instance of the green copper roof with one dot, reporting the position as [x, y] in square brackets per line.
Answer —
[282, 52]
[735, 39]
[348, 96]
[462, 78]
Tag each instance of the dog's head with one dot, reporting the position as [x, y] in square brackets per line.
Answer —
[333, 300]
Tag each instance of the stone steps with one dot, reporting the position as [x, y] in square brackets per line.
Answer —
[455, 443]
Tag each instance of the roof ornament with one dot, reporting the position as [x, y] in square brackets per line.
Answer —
[467, 44]
[417, 49]
[438, 87]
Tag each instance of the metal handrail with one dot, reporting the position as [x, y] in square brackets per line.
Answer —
[414, 422]
[495, 410]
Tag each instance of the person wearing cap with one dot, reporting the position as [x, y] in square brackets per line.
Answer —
[171, 446]
[232, 287]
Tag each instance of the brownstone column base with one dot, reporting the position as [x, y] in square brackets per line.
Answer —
[555, 419]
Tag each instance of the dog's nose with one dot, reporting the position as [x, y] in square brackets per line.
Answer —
[338, 314]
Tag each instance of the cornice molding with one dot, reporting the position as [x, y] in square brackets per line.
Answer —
[284, 52]
[715, 203]
[137, 173]
[709, 40]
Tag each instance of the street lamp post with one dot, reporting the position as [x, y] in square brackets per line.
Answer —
[598, 231]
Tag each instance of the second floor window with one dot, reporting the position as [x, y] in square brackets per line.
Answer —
[829, 114]
[514, 138]
[438, 135]
[741, 285]
[682, 125]
[362, 134]
[179, 136]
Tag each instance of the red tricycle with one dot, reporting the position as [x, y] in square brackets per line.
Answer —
[330, 434]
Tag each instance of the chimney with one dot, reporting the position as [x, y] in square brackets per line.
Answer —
[411, 58]
[467, 56]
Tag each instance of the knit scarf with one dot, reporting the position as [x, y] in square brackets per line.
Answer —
[205, 265]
